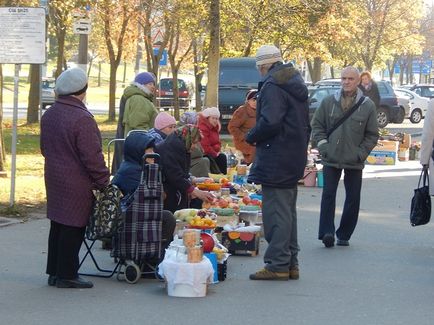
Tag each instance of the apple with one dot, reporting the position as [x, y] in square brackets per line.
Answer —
[246, 200]
[255, 202]
[222, 203]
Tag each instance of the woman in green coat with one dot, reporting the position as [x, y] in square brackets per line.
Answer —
[140, 111]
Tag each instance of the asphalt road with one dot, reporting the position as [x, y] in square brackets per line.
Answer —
[386, 275]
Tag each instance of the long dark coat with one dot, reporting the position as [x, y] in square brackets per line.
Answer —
[74, 163]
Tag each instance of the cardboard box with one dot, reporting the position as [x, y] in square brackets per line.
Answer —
[386, 145]
[381, 158]
[241, 242]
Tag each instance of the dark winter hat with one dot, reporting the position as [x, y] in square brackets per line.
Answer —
[71, 82]
[251, 94]
[144, 78]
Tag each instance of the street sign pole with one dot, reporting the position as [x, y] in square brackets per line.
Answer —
[14, 136]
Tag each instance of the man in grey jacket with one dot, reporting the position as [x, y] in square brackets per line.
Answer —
[344, 149]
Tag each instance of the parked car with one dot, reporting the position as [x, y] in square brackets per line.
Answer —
[404, 103]
[317, 94]
[418, 104]
[47, 95]
[165, 95]
[423, 90]
[388, 112]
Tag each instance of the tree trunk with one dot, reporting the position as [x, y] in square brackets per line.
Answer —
[175, 93]
[315, 69]
[211, 98]
[124, 77]
[35, 81]
[2, 142]
[60, 53]
[112, 91]
[99, 74]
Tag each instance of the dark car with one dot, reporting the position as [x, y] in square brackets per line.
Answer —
[165, 97]
[388, 112]
[237, 77]
[47, 95]
[423, 90]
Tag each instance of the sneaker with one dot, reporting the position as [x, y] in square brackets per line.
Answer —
[342, 242]
[265, 274]
[294, 273]
[328, 240]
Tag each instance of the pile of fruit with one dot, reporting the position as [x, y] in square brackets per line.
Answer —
[197, 218]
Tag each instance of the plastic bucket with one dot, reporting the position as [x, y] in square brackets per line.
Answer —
[309, 177]
[320, 178]
[213, 259]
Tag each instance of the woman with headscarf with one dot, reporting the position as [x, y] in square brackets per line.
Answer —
[209, 125]
[175, 160]
[243, 119]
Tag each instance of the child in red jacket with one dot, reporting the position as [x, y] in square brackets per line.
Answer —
[209, 126]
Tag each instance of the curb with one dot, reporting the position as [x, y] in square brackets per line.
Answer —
[7, 222]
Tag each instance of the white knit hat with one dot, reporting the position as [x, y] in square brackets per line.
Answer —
[71, 81]
[268, 54]
[211, 111]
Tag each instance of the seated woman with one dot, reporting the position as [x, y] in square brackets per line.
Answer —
[199, 166]
[175, 160]
[128, 176]
[209, 125]
[164, 125]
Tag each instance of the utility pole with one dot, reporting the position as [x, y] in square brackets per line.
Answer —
[82, 52]
[211, 97]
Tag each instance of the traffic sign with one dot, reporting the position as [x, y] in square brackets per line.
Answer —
[163, 60]
[82, 26]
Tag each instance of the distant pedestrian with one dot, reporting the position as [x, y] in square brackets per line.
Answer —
[369, 88]
[242, 121]
[281, 136]
[136, 111]
[344, 149]
[427, 142]
[74, 166]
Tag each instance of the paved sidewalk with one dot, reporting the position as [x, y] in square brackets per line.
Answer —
[385, 277]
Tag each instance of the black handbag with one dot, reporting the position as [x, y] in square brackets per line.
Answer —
[420, 212]
[106, 215]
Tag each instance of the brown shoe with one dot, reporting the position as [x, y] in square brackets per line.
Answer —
[294, 272]
[265, 274]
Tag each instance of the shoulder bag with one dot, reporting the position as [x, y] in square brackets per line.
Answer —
[345, 116]
[420, 212]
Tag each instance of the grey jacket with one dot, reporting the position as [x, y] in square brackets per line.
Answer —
[350, 144]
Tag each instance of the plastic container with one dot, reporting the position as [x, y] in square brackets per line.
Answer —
[191, 237]
[320, 178]
[187, 290]
[194, 254]
[309, 177]
[213, 259]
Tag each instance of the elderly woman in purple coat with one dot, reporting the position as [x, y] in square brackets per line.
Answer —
[74, 166]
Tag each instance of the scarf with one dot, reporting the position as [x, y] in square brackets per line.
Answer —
[189, 134]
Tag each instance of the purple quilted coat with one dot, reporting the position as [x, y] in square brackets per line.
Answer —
[74, 163]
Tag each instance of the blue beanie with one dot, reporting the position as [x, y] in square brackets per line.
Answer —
[144, 78]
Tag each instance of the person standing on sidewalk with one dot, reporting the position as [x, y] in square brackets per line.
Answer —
[242, 121]
[281, 136]
[426, 147]
[345, 149]
[74, 166]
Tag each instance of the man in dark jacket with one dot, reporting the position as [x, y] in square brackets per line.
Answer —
[346, 149]
[281, 136]
[74, 166]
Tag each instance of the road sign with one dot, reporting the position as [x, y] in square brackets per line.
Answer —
[82, 26]
[22, 37]
[163, 60]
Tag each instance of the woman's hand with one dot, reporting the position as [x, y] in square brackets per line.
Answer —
[202, 195]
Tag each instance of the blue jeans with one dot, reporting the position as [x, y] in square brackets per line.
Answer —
[350, 213]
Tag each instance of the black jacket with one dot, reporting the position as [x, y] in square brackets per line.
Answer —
[282, 128]
[175, 163]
